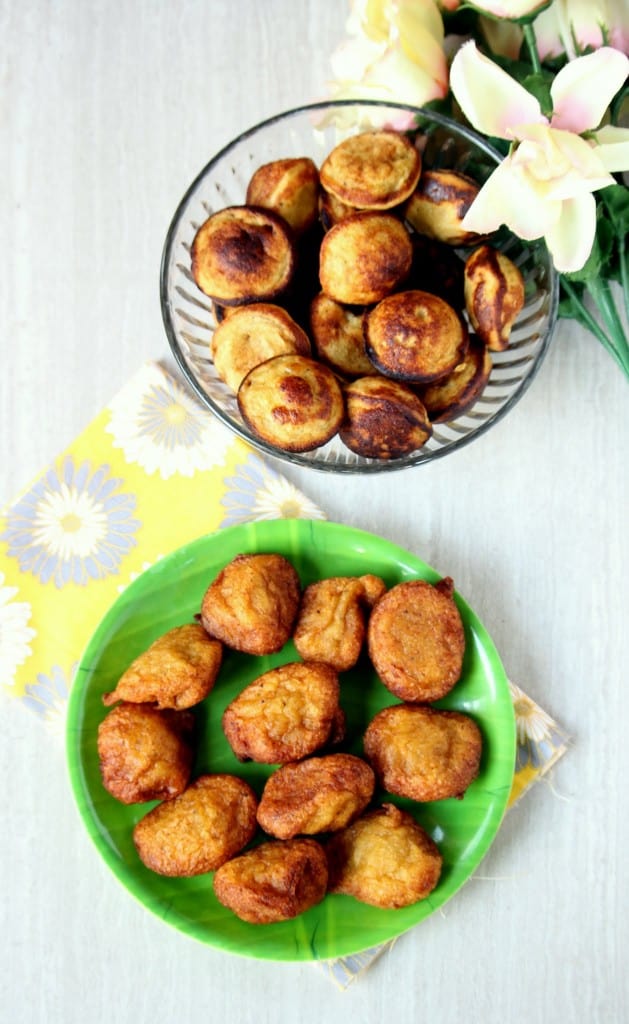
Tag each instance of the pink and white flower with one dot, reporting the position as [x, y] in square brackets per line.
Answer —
[544, 187]
[574, 26]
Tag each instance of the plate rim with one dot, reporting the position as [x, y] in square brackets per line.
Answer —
[77, 696]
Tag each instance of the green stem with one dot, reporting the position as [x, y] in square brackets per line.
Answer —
[616, 345]
[531, 42]
[623, 260]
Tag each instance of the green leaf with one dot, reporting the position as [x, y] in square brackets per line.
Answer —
[615, 199]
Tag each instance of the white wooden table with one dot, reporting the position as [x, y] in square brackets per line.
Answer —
[107, 113]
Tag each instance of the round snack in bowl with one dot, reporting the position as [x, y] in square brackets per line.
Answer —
[416, 640]
[290, 187]
[276, 881]
[243, 254]
[292, 402]
[331, 626]
[318, 794]
[144, 753]
[422, 753]
[251, 335]
[211, 821]
[447, 398]
[494, 295]
[384, 858]
[252, 603]
[285, 714]
[415, 336]
[438, 205]
[332, 210]
[337, 335]
[364, 257]
[384, 419]
[372, 170]
[178, 670]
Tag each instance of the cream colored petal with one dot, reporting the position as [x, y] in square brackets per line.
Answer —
[611, 146]
[570, 239]
[584, 88]
[562, 162]
[490, 99]
[511, 197]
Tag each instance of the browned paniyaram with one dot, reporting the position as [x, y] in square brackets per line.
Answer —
[449, 397]
[252, 334]
[292, 402]
[364, 257]
[494, 295]
[337, 335]
[372, 170]
[384, 419]
[439, 204]
[290, 187]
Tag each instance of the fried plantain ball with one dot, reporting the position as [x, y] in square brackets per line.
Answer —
[252, 603]
[319, 794]
[422, 753]
[331, 624]
[416, 640]
[285, 714]
[384, 859]
[145, 754]
[275, 881]
[177, 671]
[211, 821]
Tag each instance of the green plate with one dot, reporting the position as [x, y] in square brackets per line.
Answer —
[170, 593]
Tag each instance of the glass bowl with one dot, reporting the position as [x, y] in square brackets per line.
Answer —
[313, 131]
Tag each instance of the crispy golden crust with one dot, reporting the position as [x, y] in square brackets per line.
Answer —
[290, 187]
[376, 169]
[439, 204]
[384, 419]
[330, 625]
[416, 640]
[384, 859]
[285, 714]
[364, 258]
[451, 396]
[275, 881]
[414, 336]
[177, 671]
[494, 295]
[145, 754]
[421, 753]
[243, 254]
[292, 402]
[320, 794]
[210, 822]
[252, 604]
[337, 335]
[251, 335]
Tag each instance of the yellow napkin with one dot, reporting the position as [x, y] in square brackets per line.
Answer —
[151, 472]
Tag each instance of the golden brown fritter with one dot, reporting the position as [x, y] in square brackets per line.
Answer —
[331, 623]
[373, 170]
[177, 671]
[243, 254]
[384, 419]
[332, 210]
[364, 257]
[494, 295]
[319, 794]
[252, 604]
[415, 336]
[275, 881]
[337, 335]
[211, 821]
[449, 397]
[439, 204]
[251, 335]
[285, 714]
[292, 402]
[422, 753]
[416, 640]
[145, 754]
[290, 187]
[384, 859]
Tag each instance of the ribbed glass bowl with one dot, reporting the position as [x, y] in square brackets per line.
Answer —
[313, 131]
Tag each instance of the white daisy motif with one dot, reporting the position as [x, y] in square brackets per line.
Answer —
[164, 429]
[256, 492]
[48, 698]
[15, 633]
[532, 723]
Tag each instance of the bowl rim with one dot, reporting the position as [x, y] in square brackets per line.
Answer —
[414, 459]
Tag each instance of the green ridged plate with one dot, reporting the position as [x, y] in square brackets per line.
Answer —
[170, 593]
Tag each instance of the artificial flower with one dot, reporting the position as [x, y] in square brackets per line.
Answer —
[573, 26]
[394, 52]
[544, 186]
[508, 9]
